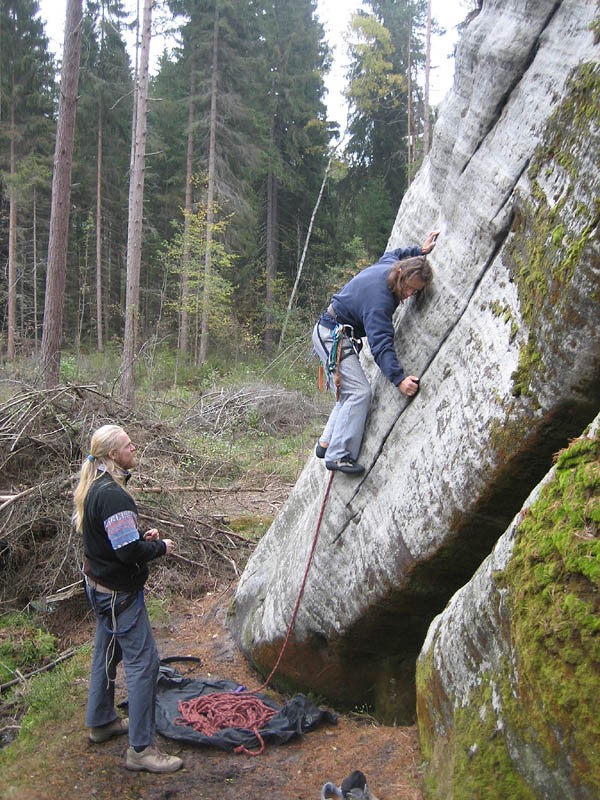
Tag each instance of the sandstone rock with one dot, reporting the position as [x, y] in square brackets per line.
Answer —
[507, 344]
[508, 676]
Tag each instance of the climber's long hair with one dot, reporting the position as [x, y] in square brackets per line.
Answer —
[104, 441]
[402, 271]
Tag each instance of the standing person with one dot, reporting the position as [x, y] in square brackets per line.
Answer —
[115, 567]
[365, 307]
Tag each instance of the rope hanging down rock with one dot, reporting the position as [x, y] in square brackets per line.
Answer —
[214, 712]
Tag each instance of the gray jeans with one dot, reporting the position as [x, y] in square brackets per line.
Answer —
[345, 427]
[133, 643]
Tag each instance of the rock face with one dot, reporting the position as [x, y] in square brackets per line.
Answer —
[507, 682]
[506, 343]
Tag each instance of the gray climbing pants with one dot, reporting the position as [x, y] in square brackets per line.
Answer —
[346, 424]
[133, 643]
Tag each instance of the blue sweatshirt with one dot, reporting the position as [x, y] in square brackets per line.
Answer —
[367, 304]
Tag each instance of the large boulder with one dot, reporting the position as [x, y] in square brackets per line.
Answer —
[506, 343]
[507, 682]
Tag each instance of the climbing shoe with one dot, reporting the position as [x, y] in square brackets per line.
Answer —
[105, 732]
[320, 450]
[347, 465]
[151, 760]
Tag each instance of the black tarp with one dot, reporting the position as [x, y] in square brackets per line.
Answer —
[299, 715]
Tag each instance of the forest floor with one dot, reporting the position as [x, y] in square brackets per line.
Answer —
[69, 767]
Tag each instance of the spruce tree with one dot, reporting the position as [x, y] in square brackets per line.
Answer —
[101, 164]
[27, 91]
[386, 107]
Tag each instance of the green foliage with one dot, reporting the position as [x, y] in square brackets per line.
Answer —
[51, 697]
[209, 289]
[68, 368]
[251, 527]
[27, 95]
[375, 82]
[23, 645]
[386, 53]
[102, 142]
[271, 143]
[157, 610]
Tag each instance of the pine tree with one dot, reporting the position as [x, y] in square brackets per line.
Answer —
[204, 124]
[385, 126]
[296, 159]
[26, 108]
[135, 215]
[101, 158]
[61, 196]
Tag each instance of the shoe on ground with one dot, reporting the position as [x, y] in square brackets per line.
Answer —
[320, 450]
[103, 733]
[151, 760]
[347, 465]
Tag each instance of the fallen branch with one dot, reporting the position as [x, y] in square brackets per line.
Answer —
[65, 593]
[188, 561]
[225, 532]
[7, 499]
[23, 678]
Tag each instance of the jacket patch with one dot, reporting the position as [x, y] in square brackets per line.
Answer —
[122, 529]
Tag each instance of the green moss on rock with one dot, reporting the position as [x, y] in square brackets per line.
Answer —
[533, 722]
[554, 581]
[550, 236]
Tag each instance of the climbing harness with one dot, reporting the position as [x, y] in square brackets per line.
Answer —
[344, 344]
[241, 709]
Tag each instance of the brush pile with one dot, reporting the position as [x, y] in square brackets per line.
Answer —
[44, 435]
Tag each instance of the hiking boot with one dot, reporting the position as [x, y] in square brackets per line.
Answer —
[151, 760]
[320, 450]
[105, 732]
[347, 465]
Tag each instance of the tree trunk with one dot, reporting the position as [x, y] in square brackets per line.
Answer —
[427, 115]
[272, 258]
[304, 251]
[61, 198]
[134, 228]
[184, 318]
[100, 343]
[210, 195]
[35, 265]
[409, 124]
[12, 245]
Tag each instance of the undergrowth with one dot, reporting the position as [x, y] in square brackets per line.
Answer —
[50, 698]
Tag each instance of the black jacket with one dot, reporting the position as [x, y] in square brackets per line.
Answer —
[118, 561]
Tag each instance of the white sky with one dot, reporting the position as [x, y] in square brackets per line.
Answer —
[334, 15]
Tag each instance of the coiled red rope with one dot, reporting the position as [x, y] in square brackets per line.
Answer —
[211, 713]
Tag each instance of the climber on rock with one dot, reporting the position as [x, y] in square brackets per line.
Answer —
[365, 307]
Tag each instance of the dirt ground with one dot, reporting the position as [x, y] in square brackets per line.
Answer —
[389, 756]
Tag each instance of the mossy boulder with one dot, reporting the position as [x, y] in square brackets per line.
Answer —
[508, 679]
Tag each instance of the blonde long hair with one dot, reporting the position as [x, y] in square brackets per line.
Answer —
[104, 441]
